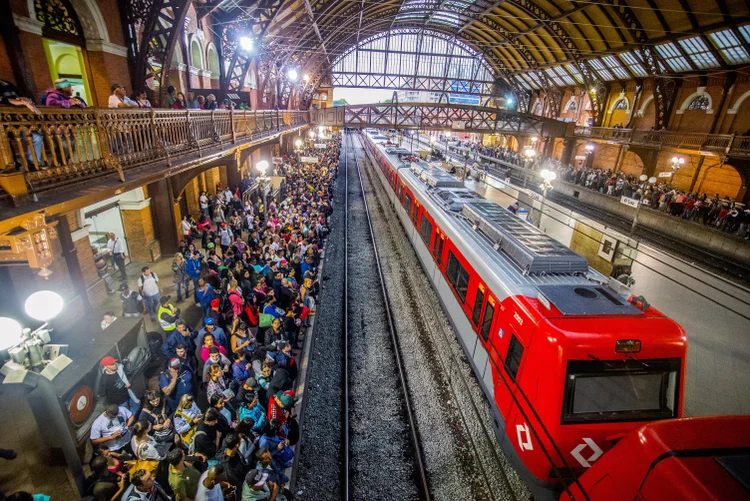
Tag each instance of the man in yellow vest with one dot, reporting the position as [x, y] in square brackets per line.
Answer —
[168, 315]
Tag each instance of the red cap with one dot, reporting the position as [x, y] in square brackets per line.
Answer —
[215, 303]
[108, 361]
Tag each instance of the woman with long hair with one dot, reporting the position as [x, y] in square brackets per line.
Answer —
[144, 446]
[180, 103]
[180, 276]
[208, 342]
[154, 411]
[186, 418]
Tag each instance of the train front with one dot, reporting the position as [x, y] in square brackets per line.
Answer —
[600, 375]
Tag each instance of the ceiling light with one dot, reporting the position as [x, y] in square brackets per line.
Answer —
[246, 43]
[292, 74]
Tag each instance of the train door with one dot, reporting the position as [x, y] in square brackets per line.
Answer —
[437, 250]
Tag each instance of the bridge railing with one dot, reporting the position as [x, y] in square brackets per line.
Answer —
[723, 144]
[60, 146]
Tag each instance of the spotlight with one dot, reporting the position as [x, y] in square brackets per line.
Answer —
[292, 74]
[246, 43]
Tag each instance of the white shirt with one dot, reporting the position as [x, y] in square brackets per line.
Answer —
[205, 494]
[106, 324]
[150, 285]
[114, 101]
[185, 227]
[203, 201]
[130, 103]
[105, 427]
[116, 246]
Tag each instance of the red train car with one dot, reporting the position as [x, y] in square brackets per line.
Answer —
[569, 361]
[695, 459]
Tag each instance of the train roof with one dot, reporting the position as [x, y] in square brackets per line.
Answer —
[522, 258]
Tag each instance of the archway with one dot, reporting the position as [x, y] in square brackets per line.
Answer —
[196, 54]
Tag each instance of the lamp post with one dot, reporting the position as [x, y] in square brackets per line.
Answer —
[651, 181]
[262, 167]
[26, 347]
[547, 177]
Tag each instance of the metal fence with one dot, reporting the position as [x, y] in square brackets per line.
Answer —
[61, 146]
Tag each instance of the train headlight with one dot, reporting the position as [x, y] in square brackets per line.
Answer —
[627, 346]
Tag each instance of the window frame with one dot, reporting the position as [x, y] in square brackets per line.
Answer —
[426, 238]
[485, 328]
[476, 313]
[460, 271]
[510, 358]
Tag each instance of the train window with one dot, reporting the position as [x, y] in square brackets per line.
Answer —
[457, 276]
[513, 360]
[477, 306]
[425, 229]
[439, 249]
[489, 311]
[407, 203]
[621, 390]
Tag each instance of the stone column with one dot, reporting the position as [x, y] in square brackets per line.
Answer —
[163, 216]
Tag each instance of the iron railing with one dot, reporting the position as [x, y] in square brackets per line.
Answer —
[721, 144]
[62, 146]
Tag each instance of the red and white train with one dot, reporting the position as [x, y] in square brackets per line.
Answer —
[570, 361]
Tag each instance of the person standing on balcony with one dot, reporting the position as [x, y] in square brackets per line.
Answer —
[119, 99]
[142, 100]
[180, 103]
[170, 98]
[117, 252]
[192, 102]
[60, 96]
[211, 103]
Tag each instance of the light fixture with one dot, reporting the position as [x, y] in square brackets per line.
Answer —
[262, 166]
[529, 153]
[246, 43]
[312, 135]
[534, 139]
[298, 143]
[652, 180]
[508, 102]
[306, 77]
[589, 148]
[292, 75]
[44, 305]
[643, 178]
[548, 175]
[10, 333]
[593, 91]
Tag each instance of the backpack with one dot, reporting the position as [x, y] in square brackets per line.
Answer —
[191, 447]
[265, 320]
[135, 360]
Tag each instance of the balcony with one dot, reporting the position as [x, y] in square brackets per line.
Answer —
[719, 144]
[60, 149]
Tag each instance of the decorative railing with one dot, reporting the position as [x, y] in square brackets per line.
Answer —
[61, 146]
[721, 144]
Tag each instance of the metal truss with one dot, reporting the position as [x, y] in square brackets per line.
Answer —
[439, 117]
[432, 84]
[152, 28]
[253, 23]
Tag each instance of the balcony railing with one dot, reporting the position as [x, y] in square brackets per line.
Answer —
[63, 146]
[721, 144]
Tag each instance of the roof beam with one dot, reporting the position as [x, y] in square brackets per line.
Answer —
[555, 19]
[311, 15]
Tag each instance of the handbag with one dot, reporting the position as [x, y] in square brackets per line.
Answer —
[265, 320]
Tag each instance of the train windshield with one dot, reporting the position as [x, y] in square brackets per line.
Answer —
[613, 390]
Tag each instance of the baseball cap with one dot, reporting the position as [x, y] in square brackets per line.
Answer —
[175, 363]
[210, 321]
[256, 478]
[61, 83]
[108, 361]
[123, 287]
[252, 383]
[285, 400]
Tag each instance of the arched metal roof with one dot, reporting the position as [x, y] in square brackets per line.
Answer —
[529, 43]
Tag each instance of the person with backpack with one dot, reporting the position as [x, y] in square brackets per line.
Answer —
[148, 286]
[144, 487]
[186, 419]
[220, 337]
[176, 382]
[229, 457]
[206, 436]
[193, 265]
[116, 386]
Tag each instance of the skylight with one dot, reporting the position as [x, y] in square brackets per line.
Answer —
[698, 52]
[553, 75]
[523, 82]
[615, 65]
[574, 71]
[564, 75]
[671, 55]
[730, 47]
[599, 68]
[633, 63]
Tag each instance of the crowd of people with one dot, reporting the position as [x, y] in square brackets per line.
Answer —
[703, 208]
[220, 424]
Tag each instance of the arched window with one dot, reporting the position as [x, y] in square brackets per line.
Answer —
[700, 103]
[196, 57]
[622, 104]
[212, 59]
[58, 15]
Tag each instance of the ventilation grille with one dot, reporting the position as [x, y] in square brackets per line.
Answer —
[530, 249]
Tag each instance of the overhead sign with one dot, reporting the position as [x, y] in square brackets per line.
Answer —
[278, 160]
[308, 160]
[580, 157]
[320, 146]
[665, 174]
[629, 201]
[458, 125]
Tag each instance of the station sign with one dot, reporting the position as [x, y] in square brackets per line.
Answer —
[308, 160]
[278, 160]
[665, 174]
[320, 146]
[632, 202]
[580, 157]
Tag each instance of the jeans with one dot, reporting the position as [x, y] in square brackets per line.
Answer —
[132, 406]
[185, 284]
[152, 303]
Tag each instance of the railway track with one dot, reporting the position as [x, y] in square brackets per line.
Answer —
[423, 327]
[382, 452]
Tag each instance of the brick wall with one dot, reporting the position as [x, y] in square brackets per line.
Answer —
[110, 12]
[37, 61]
[139, 230]
[106, 69]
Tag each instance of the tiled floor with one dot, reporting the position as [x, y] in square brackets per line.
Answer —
[37, 469]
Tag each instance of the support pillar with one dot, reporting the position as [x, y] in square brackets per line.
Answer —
[191, 195]
[569, 146]
[163, 215]
[697, 172]
[139, 230]
[234, 173]
[649, 158]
